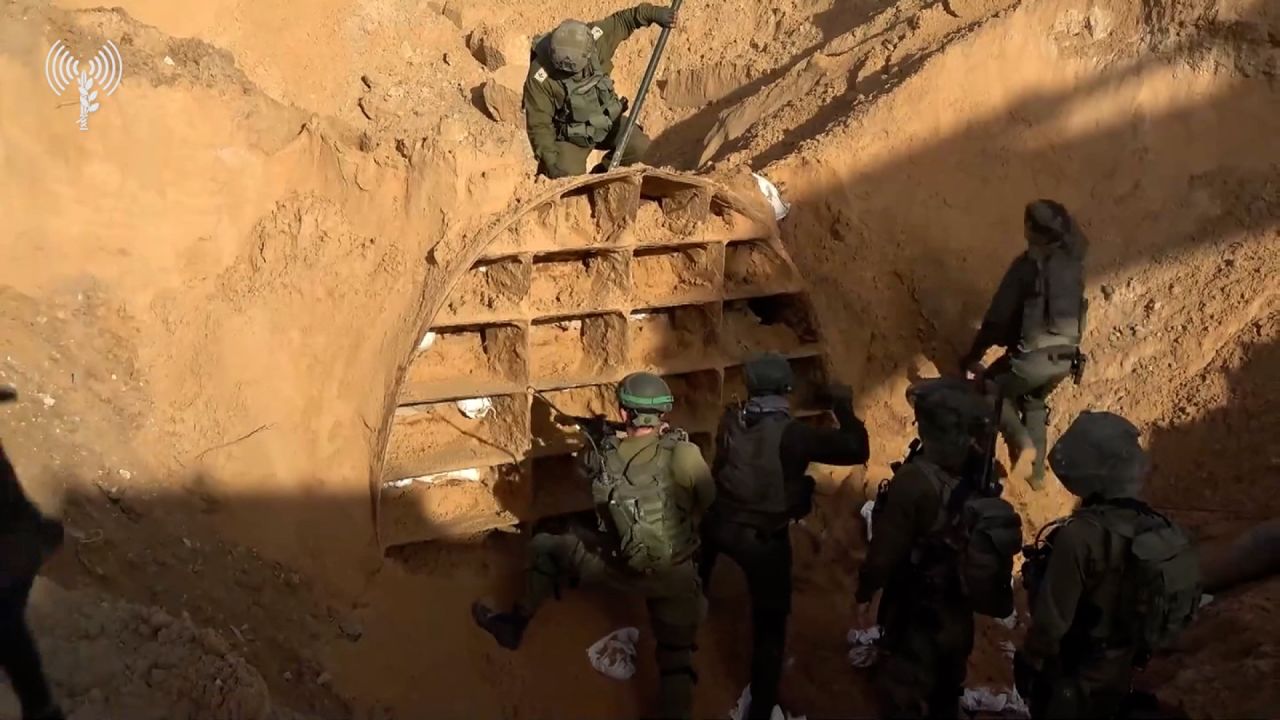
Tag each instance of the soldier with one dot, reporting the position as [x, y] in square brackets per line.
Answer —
[1038, 316]
[570, 104]
[934, 578]
[1112, 583]
[761, 486]
[27, 539]
[650, 489]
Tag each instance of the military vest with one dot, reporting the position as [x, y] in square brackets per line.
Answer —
[591, 104]
[1053, 313]
[750, 484]
[639, 505]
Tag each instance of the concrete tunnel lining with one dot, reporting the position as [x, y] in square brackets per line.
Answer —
[724, 246]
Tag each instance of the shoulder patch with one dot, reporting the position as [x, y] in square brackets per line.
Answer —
[596, 32]
[541, 75]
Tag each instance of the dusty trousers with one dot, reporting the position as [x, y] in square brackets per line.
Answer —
[765, 560]
[571, 159]
[673, 597]
[1026, 381]
[924, 652]
[18, 653]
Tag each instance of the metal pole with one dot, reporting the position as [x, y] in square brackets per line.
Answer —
[649, 72]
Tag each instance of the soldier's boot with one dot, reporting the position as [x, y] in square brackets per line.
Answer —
[507, 628]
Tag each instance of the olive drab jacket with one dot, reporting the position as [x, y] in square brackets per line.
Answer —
[1075, 607]
[546, 91]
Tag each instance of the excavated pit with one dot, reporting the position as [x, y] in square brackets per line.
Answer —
[636, 270]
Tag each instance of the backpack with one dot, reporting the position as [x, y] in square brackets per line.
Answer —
[1053, 314]
[1161, 589]
[983, 533]
[750, 485]
[638, 506]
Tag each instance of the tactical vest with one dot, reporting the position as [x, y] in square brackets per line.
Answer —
[1160, 584]
[976, 535]
[639, 505]
[1053, 313]
[591, 108]
[750, 483]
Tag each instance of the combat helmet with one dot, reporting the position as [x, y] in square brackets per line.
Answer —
[571, 46]
[1100, 455]
[768, 374]
[647, 396]
[952, 415]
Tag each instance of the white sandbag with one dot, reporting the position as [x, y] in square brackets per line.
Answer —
[475, 408]
[744, 700]
[862, 646]
[989, 700]
[867, 507]
[614, 655]
[770, 192]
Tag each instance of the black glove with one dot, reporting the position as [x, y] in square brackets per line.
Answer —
[1024, 675]
[664, 16]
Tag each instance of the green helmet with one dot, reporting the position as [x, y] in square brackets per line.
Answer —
[1100, 455]
[647, 396]
[571, 46]
[768, 374]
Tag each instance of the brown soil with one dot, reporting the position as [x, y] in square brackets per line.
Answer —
[210, 294]
[673, 337]
[675, 276]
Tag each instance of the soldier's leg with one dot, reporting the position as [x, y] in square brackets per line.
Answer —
[766, 562]
[570, 160]
[906, 674]
[20, 657]
[1040, 378]
[637, 144]
[675, 613]
[954, 645]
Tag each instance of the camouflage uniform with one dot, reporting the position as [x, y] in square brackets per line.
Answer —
[546, 98]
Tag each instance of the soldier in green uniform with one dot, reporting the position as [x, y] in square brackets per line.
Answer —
[1112, 583]
[1038, 316]
[926, 620]
[570, 103]
[650, 487]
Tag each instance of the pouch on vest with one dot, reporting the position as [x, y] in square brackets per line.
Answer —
[985, 533]
[750, 487]
[592, 107]
[637, 503]
[1162, 586]
[1053, 313]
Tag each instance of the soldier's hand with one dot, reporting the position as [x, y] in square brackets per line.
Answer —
[666, 17]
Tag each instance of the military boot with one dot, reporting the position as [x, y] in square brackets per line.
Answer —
[507, 628]
[1024, 468]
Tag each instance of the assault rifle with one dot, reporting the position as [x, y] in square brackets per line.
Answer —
[595, 427]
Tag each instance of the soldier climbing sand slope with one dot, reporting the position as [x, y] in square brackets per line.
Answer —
[762, 454]
[1038, 316]
[570, 103]
[1108, 585]
[942, 549]
[650, 489]
[27, 539]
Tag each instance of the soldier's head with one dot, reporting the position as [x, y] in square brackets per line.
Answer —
[645, 399]
[571, 47]
[768, 374]
[1099, 455]
[1048, 225]
[952, 416]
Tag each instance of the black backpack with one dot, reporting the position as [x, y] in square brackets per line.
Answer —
[750, 484]
[983, 534]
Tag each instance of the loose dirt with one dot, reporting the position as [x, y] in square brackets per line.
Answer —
[206, 299]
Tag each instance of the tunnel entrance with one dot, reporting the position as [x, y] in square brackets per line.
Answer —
[634, 270]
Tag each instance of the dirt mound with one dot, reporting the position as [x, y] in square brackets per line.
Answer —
[110, 659]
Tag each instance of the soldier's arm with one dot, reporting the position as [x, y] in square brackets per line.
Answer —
[843, 446]
[691, 470]
[896, 527]
[1059, 595]
[619, 26]
[539, 109]
[1005, 309]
